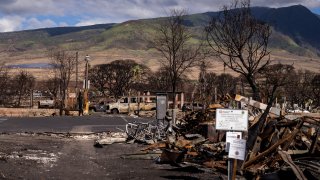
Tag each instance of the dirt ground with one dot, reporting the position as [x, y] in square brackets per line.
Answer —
[31, 156]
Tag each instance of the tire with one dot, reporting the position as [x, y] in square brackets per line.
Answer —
[114, 111]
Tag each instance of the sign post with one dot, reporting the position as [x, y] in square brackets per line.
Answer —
[237, 149]
[233, 120]
[230, 136]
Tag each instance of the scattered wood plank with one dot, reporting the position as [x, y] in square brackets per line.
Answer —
[297, 171]
[257, 104]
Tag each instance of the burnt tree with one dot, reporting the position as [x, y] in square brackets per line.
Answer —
[226, 84]
[274, 77]
[23, 83]
[5, 85]
[172, 41]
[316, 89]
[53, 86]
[64, 63]
[240, 41]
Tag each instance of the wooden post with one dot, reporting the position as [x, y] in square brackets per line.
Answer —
[234, 169]
[215, 95]
[86, 101]
[129, 99]
[230, 162]
[138, 101]
[314, 142]
[31, 99]
[77, 56]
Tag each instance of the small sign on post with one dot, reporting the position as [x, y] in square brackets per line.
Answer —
[161, 106]
[230, 136]
[237, 149]
[232, 119]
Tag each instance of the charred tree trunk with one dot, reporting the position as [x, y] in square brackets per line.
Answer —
[174, 102]
[255, 88]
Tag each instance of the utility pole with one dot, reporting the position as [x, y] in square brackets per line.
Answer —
[77, 55]
[86, 85]
[77, 90]
[203, 84]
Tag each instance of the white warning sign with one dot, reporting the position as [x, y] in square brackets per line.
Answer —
[237, 149]
[232, 119]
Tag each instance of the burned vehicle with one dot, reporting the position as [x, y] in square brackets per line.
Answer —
[131, 104]
[98, 107]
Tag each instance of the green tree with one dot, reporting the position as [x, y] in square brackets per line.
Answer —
[99, 76]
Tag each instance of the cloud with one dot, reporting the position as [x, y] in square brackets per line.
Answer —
[283, 3]
[91, 21]
[87, 12]
[34, 23]
[63, 24]
[10, 23]
[15, 23]
[32, 7]
[117, 9]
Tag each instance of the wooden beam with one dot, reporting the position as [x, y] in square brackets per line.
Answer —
[257, 104]
[286, 139]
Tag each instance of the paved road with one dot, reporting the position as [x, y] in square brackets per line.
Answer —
[55, 157]
[73, 124]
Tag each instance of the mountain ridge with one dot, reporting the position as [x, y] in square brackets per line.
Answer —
[294, 31]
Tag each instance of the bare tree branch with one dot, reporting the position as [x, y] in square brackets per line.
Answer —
[172, 41]
[240, 41]
[64, 63]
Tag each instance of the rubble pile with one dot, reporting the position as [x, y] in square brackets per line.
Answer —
[191, 123]
[286, 144]
[277, 145]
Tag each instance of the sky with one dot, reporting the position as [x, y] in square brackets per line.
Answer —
[18, 15]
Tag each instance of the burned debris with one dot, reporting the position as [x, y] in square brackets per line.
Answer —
[283, 145]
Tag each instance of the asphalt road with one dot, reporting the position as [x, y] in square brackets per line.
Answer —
[98, 122]
[39, 156]
[47, 157]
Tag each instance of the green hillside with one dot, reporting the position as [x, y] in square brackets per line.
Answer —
[298, 35]
[33, 40]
